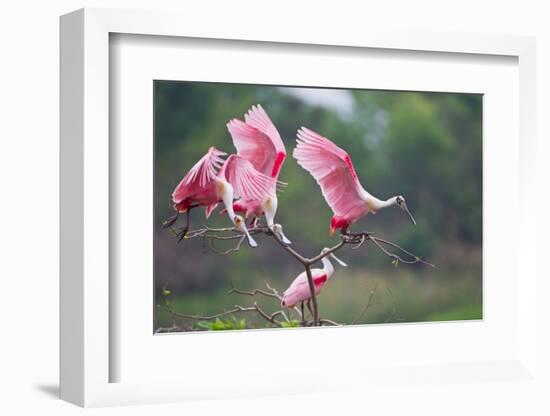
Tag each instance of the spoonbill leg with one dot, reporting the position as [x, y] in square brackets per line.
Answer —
[183, 231]
[309, 307]
[170, 221]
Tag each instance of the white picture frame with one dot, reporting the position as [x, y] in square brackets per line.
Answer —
[86, 303]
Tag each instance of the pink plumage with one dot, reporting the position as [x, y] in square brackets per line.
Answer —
[258, 141]
[197, 187]
[247, 182]
[212, 180]
[200, 185]
[298, 291]
[334, 172]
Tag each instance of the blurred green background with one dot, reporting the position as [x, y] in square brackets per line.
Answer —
[424, 146]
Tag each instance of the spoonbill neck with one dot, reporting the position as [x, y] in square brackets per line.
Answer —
[378, 204]
[270, 208]
[226, 195]
[328, 268]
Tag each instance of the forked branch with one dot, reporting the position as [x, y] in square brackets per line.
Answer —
[354, 240]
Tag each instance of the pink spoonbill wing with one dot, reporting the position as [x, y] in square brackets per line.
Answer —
[202, 173]
[258, 141]
[247, 182]
[332, 169]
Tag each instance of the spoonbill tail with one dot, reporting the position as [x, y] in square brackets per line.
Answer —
[332, 169]
[258, 141]
[298, 291]
[212, 180]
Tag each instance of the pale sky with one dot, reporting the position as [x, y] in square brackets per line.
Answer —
[339, 101]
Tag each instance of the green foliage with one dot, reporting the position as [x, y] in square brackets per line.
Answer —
[226, 325]
[294, 323]
[463, 312]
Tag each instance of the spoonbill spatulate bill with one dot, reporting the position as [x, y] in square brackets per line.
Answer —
[258, 141]
[212, 180]
[333, 170]
[298, 291]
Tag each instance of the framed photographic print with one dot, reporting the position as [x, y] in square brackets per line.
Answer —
[406, 140]
[272, 214]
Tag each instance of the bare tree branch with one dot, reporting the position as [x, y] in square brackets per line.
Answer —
[272, 294]
[313, 295]
[238, 308]
[252, 292]
[415, 260]
[354, 240]
[230, 250]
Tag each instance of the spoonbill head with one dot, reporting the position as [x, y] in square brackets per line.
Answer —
[333, 170]
[225, 193]
[240, 226]
[400, 202]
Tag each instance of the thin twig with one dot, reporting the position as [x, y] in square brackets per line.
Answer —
[173, 328]
[368, 304]
[393, 309]
[326, 253]
[236, 309]
[252, 292]
[273, 294]
[378, 241]
[230, 250]
[203, 317]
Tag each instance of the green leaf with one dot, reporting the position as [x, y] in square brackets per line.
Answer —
[218, 325]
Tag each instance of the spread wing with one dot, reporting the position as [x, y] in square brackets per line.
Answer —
[247, 182]
[200, 174]
[332, 169]
[257, 140]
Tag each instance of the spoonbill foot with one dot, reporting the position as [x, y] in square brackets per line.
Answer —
[182, 233]
[278, 230]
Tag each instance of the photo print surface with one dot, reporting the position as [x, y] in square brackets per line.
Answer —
[291, 207]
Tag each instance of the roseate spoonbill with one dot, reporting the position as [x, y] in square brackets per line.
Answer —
[258, 141]
[298, 291]
[332, 169]
[212, 180]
